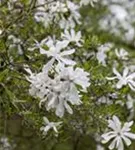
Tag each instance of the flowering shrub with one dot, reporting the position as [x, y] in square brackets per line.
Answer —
[66, 69]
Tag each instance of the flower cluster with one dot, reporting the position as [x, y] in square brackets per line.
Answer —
[59, 89]
[64, 13]
[60, 83]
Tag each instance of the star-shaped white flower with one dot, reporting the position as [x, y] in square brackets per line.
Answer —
[55, 50]
[50, 125]
[75, 76]
[101, 55]
[71, 36]
[74, 13]
[119, 134]
[58, 7]
[124, 79]
[121, 54]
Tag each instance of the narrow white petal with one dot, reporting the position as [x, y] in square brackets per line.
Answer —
[113, 144]
[127, 126]
[45, 120]
[130, 135]
[108, 136]
[52, 101]
[55, 129]
[125, 72]
[69, 109]
[47, 128]
[119, 84]
[60, 110]
[117, 123]
[120, 144]
[42, 51]
[67, 61]
[116, 73]
[68, 52]
[126, 140]
[111, 78]
[48, 66]
[131, 76]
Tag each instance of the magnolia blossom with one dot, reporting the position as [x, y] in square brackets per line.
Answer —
[101, 54]
[43, 17]
[124, 79]
[50, 125]
[55, 50]
[60, 97]
[104, 100]
[74, 16]
[72, 37]
[121, 54]
[49, 12]
[52, 92]
[57, 98]
[59, 92]
[119, 134]
[74, 76]
[58, 7]
[74, 11]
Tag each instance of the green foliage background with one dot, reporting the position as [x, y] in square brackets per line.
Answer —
[20, 116]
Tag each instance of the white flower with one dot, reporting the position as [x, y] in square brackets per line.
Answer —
[55, 50]
[121, 54]
[54, 12]
[58, 7]
[60, 91]
[104, 100]
[56, 98]
[74, 13]
[72, 19]
[50, 125]
[43, 17]
[72, 37]
[67, 23]
[64, 90]
[124, 79]
[40, 82]
[77, 76]
[119, 134]
[86, 2]
[101, 54]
